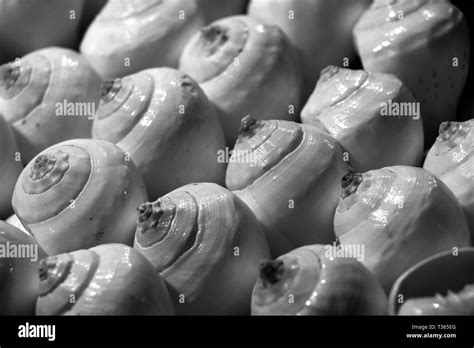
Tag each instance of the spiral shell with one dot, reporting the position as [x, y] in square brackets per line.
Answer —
[132, 35]
[245, 67]
[288, 174]
[163, 120]
[401, 215]
[26, 26]
[440, 285]
[110, 279]
[10, 167]
[452, 159]
[321, 30]
[311, 280]
[351, 104]
[78, 194]
[206, 244]
[48, 96]
[425, 43]
[19, 255]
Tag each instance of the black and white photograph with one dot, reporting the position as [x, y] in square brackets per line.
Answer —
[236, 171]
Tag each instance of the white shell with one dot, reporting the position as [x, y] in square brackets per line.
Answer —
[206, 243]
[110, 279]
[289, 175]
[425, 43]
[401, 215]
[245, 67]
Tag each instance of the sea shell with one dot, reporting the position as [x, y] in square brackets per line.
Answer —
[357, 107]
[48, 96]
[401, 215]
[312, 280]
[207, 244]
[452, 159]
[425, 43]
[164, 122]
[110, 279]
[289, 175]
[78, 194]
[245, 67]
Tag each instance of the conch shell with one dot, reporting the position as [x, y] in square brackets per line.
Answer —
[425, 43]
[19, 257]
[351, 105]
[440, 285]
[78, 194]
[289, 175]
[207, 244]
[245, 67]
[311, 280]
[164, 122]
[48, 96]
[401, 215]
[10, 167]
[452, 159]
[110, 279]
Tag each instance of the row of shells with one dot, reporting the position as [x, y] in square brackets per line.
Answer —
[132, 211]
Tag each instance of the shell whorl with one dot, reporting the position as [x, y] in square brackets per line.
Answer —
[109, 90]
[53, 99]
[243, 57]
[390, 211]
[78, 194]
[453, 148]
[177, 232]
[261, 146]
[308, 280]
[124, 102]
[154, 221]
[216, 47]
[72, 273]
[111, 279]
[9, 74]
[163, 120]
[203, 229]
[56, 178]
[24, 84]
[282, 170]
